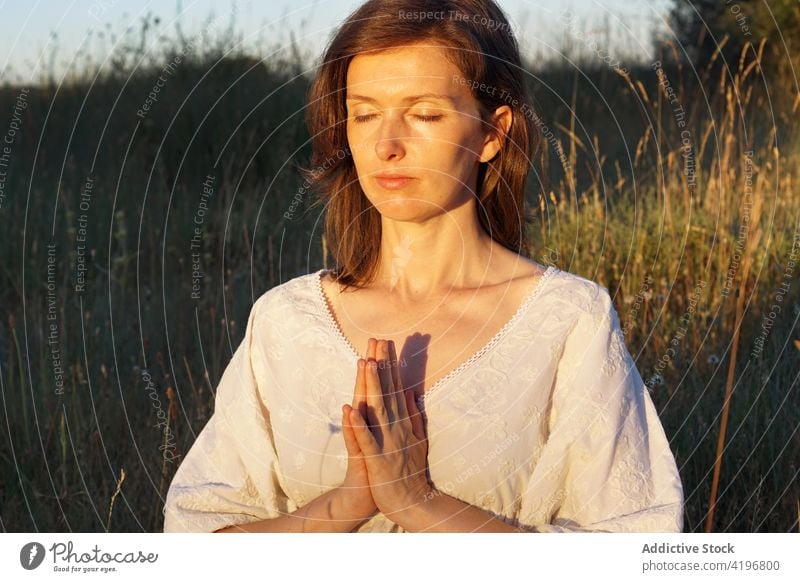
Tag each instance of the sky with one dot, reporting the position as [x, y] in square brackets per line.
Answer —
[39, 35]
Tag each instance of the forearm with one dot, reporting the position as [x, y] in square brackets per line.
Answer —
[439, 512]
[326, 513]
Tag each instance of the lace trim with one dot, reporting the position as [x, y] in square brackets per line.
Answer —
[324, 309]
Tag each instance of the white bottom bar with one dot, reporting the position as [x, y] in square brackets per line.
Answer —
[408, 557]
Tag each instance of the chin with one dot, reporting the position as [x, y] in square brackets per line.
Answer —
[404, 207]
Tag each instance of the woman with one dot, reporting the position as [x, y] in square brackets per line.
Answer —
[503, 399]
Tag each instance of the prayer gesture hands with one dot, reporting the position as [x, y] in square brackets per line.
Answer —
[385, 438]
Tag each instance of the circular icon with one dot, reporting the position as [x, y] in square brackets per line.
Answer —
[31, 555]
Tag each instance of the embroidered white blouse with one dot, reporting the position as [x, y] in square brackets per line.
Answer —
[548, 425]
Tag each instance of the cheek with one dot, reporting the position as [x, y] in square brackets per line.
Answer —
[363, 161]
[454, 145]
[451, 158]
[361, 149]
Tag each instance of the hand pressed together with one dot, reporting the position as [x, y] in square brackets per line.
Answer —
[355, 488]
[385, 436]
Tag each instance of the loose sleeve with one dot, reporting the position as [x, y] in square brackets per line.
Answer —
[230, 476]
[606, 464]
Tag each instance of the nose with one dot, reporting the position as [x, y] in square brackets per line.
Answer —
[390, 139]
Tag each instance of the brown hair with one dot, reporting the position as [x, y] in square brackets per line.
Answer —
[479, 41]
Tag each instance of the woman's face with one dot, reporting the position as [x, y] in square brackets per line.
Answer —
[396, 124]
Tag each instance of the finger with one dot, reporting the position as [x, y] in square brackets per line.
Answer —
[360, 392]
[387, 382]
[367, 412]
[417, 424]
[362, 389]
[376, 407]
[366, 441]
[363, 408]
[402, 409]
[350, 442]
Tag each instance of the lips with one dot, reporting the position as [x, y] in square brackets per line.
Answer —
[393, 181]
[392, 175]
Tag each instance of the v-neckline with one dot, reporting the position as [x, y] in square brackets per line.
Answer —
[326, 312]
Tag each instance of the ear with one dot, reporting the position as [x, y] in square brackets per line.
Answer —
[496, 134]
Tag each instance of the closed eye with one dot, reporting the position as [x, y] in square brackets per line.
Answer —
[425, 118]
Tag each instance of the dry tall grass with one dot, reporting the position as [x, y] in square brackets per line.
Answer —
[698, 239]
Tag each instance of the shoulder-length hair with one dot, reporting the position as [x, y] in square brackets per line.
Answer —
[479, 41]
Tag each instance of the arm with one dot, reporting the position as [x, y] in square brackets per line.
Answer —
[230, 480]
[327, 513]
[607, 464]
[439, 512]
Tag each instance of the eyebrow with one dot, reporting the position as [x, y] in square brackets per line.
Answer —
[409, 99]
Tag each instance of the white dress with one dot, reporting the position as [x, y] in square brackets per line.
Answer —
[548, 425]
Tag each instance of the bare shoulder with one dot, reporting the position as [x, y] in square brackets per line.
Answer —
[516, 269]
[529, 269]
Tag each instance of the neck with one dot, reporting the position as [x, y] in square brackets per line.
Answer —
[420, 261]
